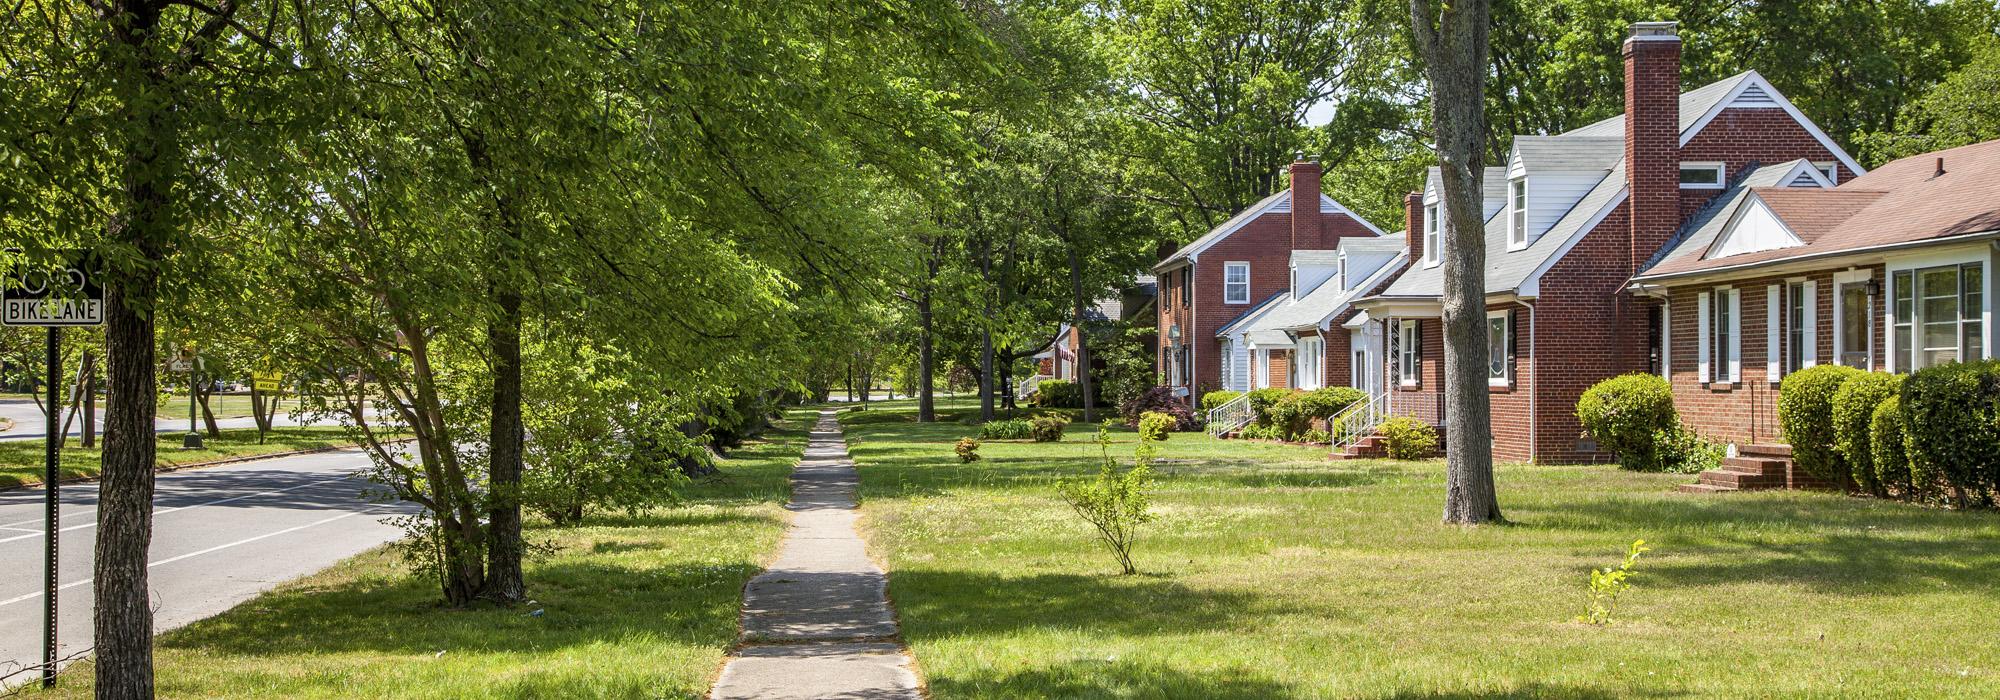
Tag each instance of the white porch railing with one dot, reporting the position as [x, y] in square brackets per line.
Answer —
[1029, 385]
[1357, 421]
[1230, 416]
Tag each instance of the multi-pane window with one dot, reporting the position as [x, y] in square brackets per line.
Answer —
[1433, 246]
[1721, 348]
[1796, 334]
[1701, 176]
[1236, 283]
[1306, 371]
[1856, 326]
[1517, 199]
[1497, 348]
[1409, 353]
[1938, 312]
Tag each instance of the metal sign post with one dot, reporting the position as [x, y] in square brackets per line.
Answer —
[52, 300]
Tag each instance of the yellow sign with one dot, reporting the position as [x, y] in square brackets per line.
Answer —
[267, 381]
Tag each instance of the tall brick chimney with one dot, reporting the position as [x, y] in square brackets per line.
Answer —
[1413, 222]
[1652, 136]
[1306, 226]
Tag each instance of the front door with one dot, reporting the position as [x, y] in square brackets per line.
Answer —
[1857, 326]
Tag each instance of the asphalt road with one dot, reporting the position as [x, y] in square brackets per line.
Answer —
[28, 425]
[220, 537]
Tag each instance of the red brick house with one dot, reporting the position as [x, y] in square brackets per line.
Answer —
[1571, 219]
[1784, 270]
[1132, 306]
[1246, 266]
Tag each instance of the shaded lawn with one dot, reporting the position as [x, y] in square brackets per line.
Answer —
[21, 460]
[1272, 572]
[222, 405]
[634, 607]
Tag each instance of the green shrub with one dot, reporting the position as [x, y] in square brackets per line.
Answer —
[1160, 399]
[1853, 410]
[1885, 447]
[1254, 431]
[1627, 415]
[1409, 438]
[967, 449]
[1261, 402]
[1016, 429]
[1317, 437]
[1058, 393]
[1805, 417]
[1949, 430]
[1114, 504]
[1155, 426]
[1215, 399]
[1683, 450]
[1047, 427]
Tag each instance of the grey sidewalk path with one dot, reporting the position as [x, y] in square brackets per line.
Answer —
[817, 624]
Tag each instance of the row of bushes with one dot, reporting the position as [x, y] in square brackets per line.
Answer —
[1632, 416]
[1933, 433]
[1289, 414]
[1047, 427]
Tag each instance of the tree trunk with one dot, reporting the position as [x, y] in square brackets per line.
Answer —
[89, 438]
[926, 405]
[1454, 48]
[986, 375]
[202, 392]
[504, 579]
[1082, 338]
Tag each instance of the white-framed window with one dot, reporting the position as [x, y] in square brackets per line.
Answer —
[1228, 352]
[1340, 271]
[1409, 352]
[1801, 324]
[1499, 348]
[1236, 283]
[1830, 169]
[1517, 212]
[1720, 357]
[1667, 341]
[1433, 240]
[1854, 319]
[1940, 314]
[1308, 363]
[1702, 176]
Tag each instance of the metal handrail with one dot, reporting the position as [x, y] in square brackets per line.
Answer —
[1229, 416]
[1357, 421]
[1029, 385]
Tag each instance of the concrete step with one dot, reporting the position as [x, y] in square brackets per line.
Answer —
[1703, 488]
[1755, 465]
[1740, 480]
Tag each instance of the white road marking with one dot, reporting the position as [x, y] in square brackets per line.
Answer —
[158, 513]
[217, 548]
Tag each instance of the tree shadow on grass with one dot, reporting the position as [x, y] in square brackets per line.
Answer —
[1111, 679]
[1828, 544]
[943, 604]
[1536, 690]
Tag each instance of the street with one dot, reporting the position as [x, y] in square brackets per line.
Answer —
[220, 537]
[27, 418]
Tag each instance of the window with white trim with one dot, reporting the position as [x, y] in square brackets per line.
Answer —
[1236, 283]
[1433, 242]
[1499, 348]
[1939, 313]
[1830, 169]
[1340, 272]
[1801, 325]
[1517, 207]
[1853, 315]
[1306, 370]
[1701, 176]
[1227, 352]
[1721, 356]
[1409, 353]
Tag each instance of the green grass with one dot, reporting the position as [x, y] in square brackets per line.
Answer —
[21, 460]
[222, 405]
[1272, 572]
[636, 607]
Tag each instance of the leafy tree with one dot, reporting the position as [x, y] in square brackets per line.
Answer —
[1956, 112]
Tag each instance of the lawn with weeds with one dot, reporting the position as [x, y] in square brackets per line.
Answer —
[641, 606]
[222, 405]
[1273, 572]
[21, 460]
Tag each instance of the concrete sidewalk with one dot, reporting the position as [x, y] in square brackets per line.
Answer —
[817, 624]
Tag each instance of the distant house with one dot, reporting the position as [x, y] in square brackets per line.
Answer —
[1784, 269]
[1571, 220]
[1132, 306]
[1257, 300]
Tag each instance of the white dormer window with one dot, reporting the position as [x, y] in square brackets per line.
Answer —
[1701, 176]
[1236, 283]
[1295, 282]
[1830, 169]
[1340, 272]
[1517, 212]
[1433, 248]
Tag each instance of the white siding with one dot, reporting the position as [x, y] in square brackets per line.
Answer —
[1551, 195]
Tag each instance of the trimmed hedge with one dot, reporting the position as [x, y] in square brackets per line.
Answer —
[1215, 399]
[1885, 448]
[1058, 393]
[1017, 429]
[1853, 412]
[1261, 402]
[1155, 426]
[1294, 414]
[1805, 416]
[1408, 438]
[1047, 427]
[1949, 427]
[1632, 416]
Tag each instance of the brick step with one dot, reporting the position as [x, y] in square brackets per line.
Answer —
[1755, 465]
[1767, 451]
[1740, 480]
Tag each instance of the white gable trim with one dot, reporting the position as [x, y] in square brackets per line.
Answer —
[1753, 228]
[1756, 80]
[1532, 287]
[1808, 170]
[1281, 205]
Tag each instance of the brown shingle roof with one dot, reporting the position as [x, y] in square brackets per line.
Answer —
[1903, 202]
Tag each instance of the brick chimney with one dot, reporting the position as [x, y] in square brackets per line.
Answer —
[1652, 136]
[1413, 222]
[1306, 226]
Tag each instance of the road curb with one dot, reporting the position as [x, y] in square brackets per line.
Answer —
[203, 465]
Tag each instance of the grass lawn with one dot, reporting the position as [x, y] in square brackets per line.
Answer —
[1272, 572]
[223, 405]
[21, 460]
[635, 607]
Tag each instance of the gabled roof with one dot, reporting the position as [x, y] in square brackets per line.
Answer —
[1280, 203]
[1250, 315]
[1901, 204]
[1701, 105]
[1511, 270]
[1568, 152]
[1326, 258]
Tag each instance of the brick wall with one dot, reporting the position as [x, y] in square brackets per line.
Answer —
[1587, 330]
[1652, 142]
[1281, 369]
